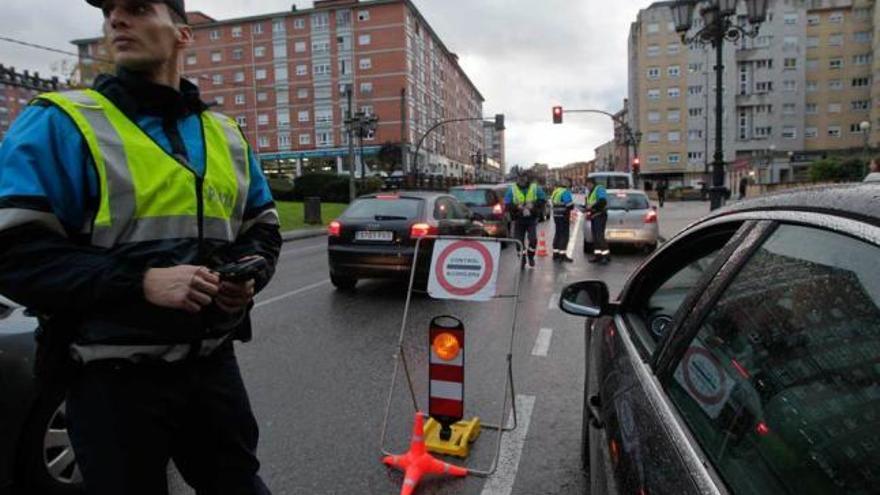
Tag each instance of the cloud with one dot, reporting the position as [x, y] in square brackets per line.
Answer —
[523, 55]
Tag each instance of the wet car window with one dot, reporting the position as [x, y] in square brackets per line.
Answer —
[613, 182]
[665, 301]
[472, 197]
[781, 385]
[624, 201]
[404, 209]
[443, 209]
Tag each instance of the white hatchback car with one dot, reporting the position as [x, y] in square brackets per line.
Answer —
[632, 221]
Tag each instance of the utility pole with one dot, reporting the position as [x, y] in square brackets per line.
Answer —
[352, 191]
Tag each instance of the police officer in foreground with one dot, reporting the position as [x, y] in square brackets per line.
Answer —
[597, 212]
[563, 203]
[117, 204]
[523, 199]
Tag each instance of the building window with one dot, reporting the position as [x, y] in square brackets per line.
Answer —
[262, 96]
[281, 73]
[305, 139]
[695, 90]
[811, 132]
[653, 73]
[861, 82]
[302, 93]
[239, 77]
[763, 41]
[324, 138]
[263, 141]
[653, 137]
[284, 140]
[259, 51]
[862, 12]
[343, 43]
[674, 136]
[863, 59]
[283, 117]
[835, 63]
[653, 117]
[860, 105]
[215, 35]
[789, 85]
[695, 156]
[282, 97]
[321, 69]
[790, 63]
[217, 79]
[834, 131]
[299, 23]
[673, 93]
[237, 53]
[323, 92]
[192, 60]
[791, 19]
[863, 37]
[363, 15]
[320, 21]
[673, 158]
[302, 70]
[763, 132]
[343, 18]
[367, 109]
[673, 48]
[695, 112]
[303, 116]
[241, 120]
[653, 94]
[856, 129]
[789, 132]
[673, 71]
[811, 108]
[695, 134]
[219, 100]
[835, 40]
[673, 116]
[693, 68]
[366, 88]
[278, 26]
[653, 28]
[812, 86]
[323, 116]
[654, 159]
[260, 74]
[766, 63]
[364, 39]
[653, 50]
[365, 63]
[789, 109]
[216, 57]
[813, 20]
[789, 43]
[812, 42]
[299, 47]
[320, 47]
[258, 28]
[262, 119]
[764, 87]
[236, 32]
[834, 108]
[239, 99]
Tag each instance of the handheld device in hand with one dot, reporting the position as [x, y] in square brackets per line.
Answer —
[241, 271]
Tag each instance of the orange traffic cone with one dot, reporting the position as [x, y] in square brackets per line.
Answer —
[418, 462]
[542, 244]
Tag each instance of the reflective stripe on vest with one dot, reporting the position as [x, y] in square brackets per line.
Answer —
[594, 196]
[529, 197]
[145, 193]
[556, 197]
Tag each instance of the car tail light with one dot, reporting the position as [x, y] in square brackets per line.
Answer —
[334, 229]
[498, 209]
[420, 230]
[651, 217]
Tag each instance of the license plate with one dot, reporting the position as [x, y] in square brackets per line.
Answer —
[621, 234]
[374, 235]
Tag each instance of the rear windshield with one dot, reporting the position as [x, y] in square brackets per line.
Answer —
[472, 197]
[613, 181]
[392, 209]
[627, 201]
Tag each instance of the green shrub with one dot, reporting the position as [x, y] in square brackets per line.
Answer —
[835, 170]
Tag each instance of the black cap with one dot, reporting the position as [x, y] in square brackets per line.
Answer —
[175, 5]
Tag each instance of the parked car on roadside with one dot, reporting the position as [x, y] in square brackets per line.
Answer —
[741, 357]
[376, 235]
[486, 201]
[632, 221]
[36, 457]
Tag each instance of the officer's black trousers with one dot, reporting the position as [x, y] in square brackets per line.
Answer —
[524, 227]
[561, 235]
[127, 420]
[597, 226]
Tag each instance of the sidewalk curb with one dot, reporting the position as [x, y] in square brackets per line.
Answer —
[295, 235]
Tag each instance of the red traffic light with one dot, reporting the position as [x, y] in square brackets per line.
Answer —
[636, 164]
[557, 115]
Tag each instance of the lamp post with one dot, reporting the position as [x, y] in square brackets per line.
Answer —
[865, 127]
[718, 19]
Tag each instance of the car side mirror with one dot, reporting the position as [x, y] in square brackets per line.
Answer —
[588, 298]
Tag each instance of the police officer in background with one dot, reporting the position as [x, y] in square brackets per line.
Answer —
[522, 199]
[563, 203]
[116, 204]
[597, 212]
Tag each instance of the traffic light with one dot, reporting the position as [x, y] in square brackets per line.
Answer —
[557, 115]
[499, 122]
[636, 165]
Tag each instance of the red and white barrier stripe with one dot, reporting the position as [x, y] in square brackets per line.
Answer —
[446, 388]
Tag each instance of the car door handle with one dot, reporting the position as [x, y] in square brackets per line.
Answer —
[594, 403]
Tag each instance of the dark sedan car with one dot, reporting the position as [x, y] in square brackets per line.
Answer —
[743, 356]
[486, 201]
[376, 235]
[35, 453]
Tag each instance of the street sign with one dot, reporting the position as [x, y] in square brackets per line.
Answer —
[703, 378]
[464, 270]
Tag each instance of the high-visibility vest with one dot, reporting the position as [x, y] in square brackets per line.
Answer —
[556, 197]
[145, 193]
[594, 195]
[529, 197]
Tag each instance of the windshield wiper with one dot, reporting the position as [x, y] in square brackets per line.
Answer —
[389, 217]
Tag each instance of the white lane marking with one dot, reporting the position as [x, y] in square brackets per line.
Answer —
[501, 483]
[554, 301]
[303, 250]
[542, 344]
[292, 293]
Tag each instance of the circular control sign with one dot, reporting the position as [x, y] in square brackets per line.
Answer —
[466, 270]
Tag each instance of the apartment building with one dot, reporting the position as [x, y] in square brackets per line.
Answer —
[17, 89]
[285, 77]
[798, 91]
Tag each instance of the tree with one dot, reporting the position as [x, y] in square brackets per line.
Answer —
[389, 157]
[835, 170]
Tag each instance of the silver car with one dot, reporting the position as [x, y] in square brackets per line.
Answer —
[632, 221]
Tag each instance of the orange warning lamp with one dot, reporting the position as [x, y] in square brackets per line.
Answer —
[447, 346]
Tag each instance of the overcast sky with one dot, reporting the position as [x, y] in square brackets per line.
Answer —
[523, 55]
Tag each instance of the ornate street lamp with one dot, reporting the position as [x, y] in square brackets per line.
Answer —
[718, 26]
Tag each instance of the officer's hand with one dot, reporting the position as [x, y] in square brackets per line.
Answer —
[234, 297]
[185, 287]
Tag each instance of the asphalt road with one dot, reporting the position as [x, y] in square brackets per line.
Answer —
[319, 371]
